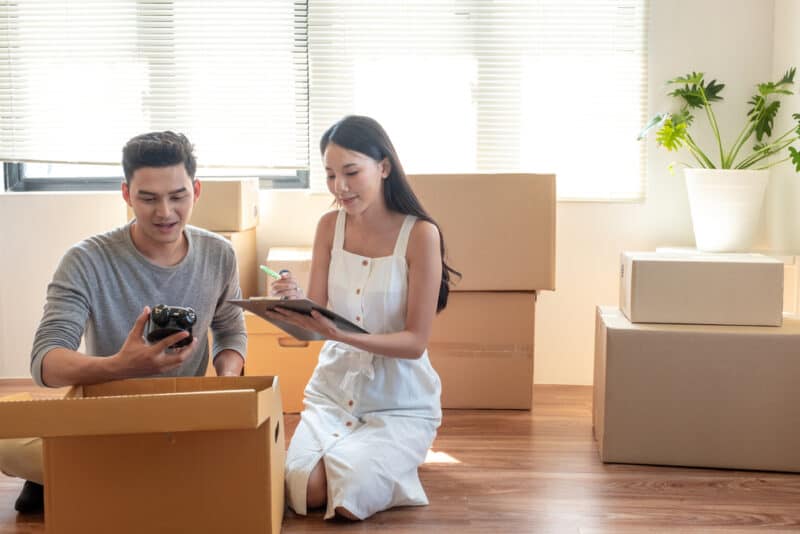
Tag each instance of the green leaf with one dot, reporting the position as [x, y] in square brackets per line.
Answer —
[780, 87]
[657, 120]
[712, 90]
[795, 158]
[671, 135]
[765, 119]
[695, 92]
[692, 79]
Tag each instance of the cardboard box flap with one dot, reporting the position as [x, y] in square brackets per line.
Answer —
[499, 229]
[143, 406]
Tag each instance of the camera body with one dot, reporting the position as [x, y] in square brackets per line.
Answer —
[167, 320]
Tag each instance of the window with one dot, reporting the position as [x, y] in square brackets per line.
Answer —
[80, 77]
[483, 86]
[460, 85]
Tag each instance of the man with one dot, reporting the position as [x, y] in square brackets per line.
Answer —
[110, 281]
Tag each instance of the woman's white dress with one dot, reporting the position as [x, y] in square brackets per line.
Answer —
[371, 417]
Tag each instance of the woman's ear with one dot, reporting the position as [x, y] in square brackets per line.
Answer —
[386, 168]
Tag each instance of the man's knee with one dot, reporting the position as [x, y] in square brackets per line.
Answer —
[22, 458]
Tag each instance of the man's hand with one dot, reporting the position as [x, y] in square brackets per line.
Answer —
[136, 358]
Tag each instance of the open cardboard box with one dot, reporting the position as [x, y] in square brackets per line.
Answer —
[192, 454]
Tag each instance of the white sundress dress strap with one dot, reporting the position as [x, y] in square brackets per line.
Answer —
[338, 233]
[401, 244]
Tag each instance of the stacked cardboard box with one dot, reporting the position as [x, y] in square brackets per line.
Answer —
[499, 230]
[695, 368]
[159, 455]
[230, 208]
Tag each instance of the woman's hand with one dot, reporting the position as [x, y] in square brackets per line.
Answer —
[286, 287]
[316, 322]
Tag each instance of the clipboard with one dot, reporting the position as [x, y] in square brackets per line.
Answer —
[260, 305]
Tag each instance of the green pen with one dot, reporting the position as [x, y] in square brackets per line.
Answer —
[270, 272]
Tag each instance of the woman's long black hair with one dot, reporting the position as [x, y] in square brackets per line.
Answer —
[366, 136]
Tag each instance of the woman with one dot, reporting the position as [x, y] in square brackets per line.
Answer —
[372, 406]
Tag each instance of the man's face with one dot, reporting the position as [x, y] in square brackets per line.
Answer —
[162, 199]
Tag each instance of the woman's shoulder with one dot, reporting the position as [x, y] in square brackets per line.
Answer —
[328, 219]
[424, 230]
[326, 227]
[424, 237]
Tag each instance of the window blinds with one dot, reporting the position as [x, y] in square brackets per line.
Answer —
[80, 77]
[481, 86]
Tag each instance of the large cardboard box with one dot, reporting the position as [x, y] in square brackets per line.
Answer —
[482, 347]
[227, 205]
[723, 289]
[297, 260]
[244, 245]
[702, 396]
[499, 229]
[271, 351]
[200, 455]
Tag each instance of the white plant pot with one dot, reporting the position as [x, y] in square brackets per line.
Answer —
[726, 207]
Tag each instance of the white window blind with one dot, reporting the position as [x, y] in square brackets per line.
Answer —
[482, 86]
[80, 77]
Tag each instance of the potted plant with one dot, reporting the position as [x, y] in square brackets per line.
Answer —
[726, 187]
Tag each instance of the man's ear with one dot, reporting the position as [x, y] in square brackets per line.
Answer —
[126, 193]
[197, 187]
[386, 168]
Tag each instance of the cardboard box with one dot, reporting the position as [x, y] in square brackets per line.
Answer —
[722, 289]
[482, 347]
[295, 259]
[271, 351]
[700, 396]
[159, 455]
[244, 245]
[227, 205]
[499, 229]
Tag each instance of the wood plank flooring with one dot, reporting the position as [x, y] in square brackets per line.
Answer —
[538, 471]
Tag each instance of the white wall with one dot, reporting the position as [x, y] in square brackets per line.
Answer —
[37, 229]
[783, 195]
[730, 40]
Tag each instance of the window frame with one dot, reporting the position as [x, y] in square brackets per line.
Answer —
[15, 181]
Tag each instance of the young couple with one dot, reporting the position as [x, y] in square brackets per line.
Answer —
[372, 406]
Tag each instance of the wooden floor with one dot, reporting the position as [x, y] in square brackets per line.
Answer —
[510, 471]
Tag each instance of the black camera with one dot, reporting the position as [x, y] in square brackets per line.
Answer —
[167, 320]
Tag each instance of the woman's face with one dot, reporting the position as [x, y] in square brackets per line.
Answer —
[355, 179]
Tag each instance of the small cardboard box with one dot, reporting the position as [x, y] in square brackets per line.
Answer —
[202, 455]
[686, 288]
[487, 217]
[482, 347]
[297, 260]
[700, 396]
[244, 245]
[227, 205]
[271, 351]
